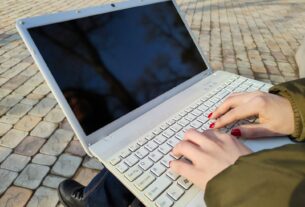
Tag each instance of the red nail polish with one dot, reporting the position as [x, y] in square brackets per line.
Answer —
[212, 125]
[236, 132]
[209, 116]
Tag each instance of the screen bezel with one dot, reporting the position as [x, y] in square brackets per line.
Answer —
[24, 24]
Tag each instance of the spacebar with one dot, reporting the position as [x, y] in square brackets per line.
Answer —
[154, 190]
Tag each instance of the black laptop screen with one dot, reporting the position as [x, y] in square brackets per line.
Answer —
[109, 64]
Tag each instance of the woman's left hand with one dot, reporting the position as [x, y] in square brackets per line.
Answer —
[210, 153]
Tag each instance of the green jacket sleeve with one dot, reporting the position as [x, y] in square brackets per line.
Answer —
[294, 91]
[270, 178]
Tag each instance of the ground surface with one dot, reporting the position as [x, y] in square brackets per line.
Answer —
[254, 38]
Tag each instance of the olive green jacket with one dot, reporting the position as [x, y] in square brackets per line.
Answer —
[270, 178]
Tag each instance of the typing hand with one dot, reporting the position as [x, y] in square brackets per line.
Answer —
[274, 112]
[210, 153]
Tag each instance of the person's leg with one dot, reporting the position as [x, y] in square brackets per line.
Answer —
[106, 190]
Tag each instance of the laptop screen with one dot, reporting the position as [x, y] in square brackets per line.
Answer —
[109, 64]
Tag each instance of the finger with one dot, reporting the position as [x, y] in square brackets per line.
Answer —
[188, 171]
[238, 113]
[205, 140]
[188, 150]
[234, 100]
[253, 131]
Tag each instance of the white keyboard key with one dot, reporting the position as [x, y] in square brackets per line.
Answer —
[125, 153]
[196, 124]
[146, 163]
[168, 133]
[164, 201]
[214, 99]
[188, 127]
[209, 103]
[189, 109]
[202, 108]
[176, 127]
[183, 122]
[157, 131]
[172, 175]
[175, 192]
[203, 119]
[171, 121]
[131, 160]
[122, 167]
[185, 183]
[149, 136]
[144, 180]
[173, 141]
[164, 126]
[155, 189]
[155, 156]
[160, 139]
[166, 160]
[151, 145]
[142, 152]
[190, 117]
[182, 113]
[177, 117]
[115, 160]
[134, 147]
[196, 112]
[180, 135]
[142, 141]
[158, 169]
[133, 173]
[165, 148]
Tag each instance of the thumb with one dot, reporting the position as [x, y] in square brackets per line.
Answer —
[253, 131]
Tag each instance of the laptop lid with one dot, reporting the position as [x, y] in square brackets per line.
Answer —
[108, 65]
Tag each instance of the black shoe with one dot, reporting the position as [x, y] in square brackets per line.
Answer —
[71, 193]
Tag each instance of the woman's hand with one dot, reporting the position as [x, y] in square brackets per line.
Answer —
[210, 153]
[274, 112]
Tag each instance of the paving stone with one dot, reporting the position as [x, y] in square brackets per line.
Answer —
[43, 89]
[10, 100]
[9, 119]
[14, 82]
[15, 197]
[29, 146]
[19, 110]
[55, 115]
[15, 162]
[57, 142]
[29, 101]
[44, 129]
[4, 92]
[4, 128]
[85, 175]
[12, 138]
[66, 165]
[27, 123]
[75, 148]
[4, 152]
[43, 159]
[53, 181]
[92, 163]
[6, 177]
[44, 197]
[65, 125]
[3, 109]
[31, 176]
[43, 107]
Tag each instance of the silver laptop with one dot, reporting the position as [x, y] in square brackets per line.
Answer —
[131, 80]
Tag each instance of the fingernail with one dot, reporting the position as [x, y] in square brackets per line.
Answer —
[236, 132]
[212, 125]
[209, 116]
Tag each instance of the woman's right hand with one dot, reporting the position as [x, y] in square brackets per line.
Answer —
[274, 112]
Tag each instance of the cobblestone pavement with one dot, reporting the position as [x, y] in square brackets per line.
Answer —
[38, 149]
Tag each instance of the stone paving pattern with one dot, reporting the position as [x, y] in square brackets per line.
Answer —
[38, 149]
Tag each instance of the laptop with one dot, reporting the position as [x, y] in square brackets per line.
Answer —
[131, 79]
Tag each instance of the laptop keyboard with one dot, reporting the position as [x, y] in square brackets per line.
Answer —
[145, 163]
